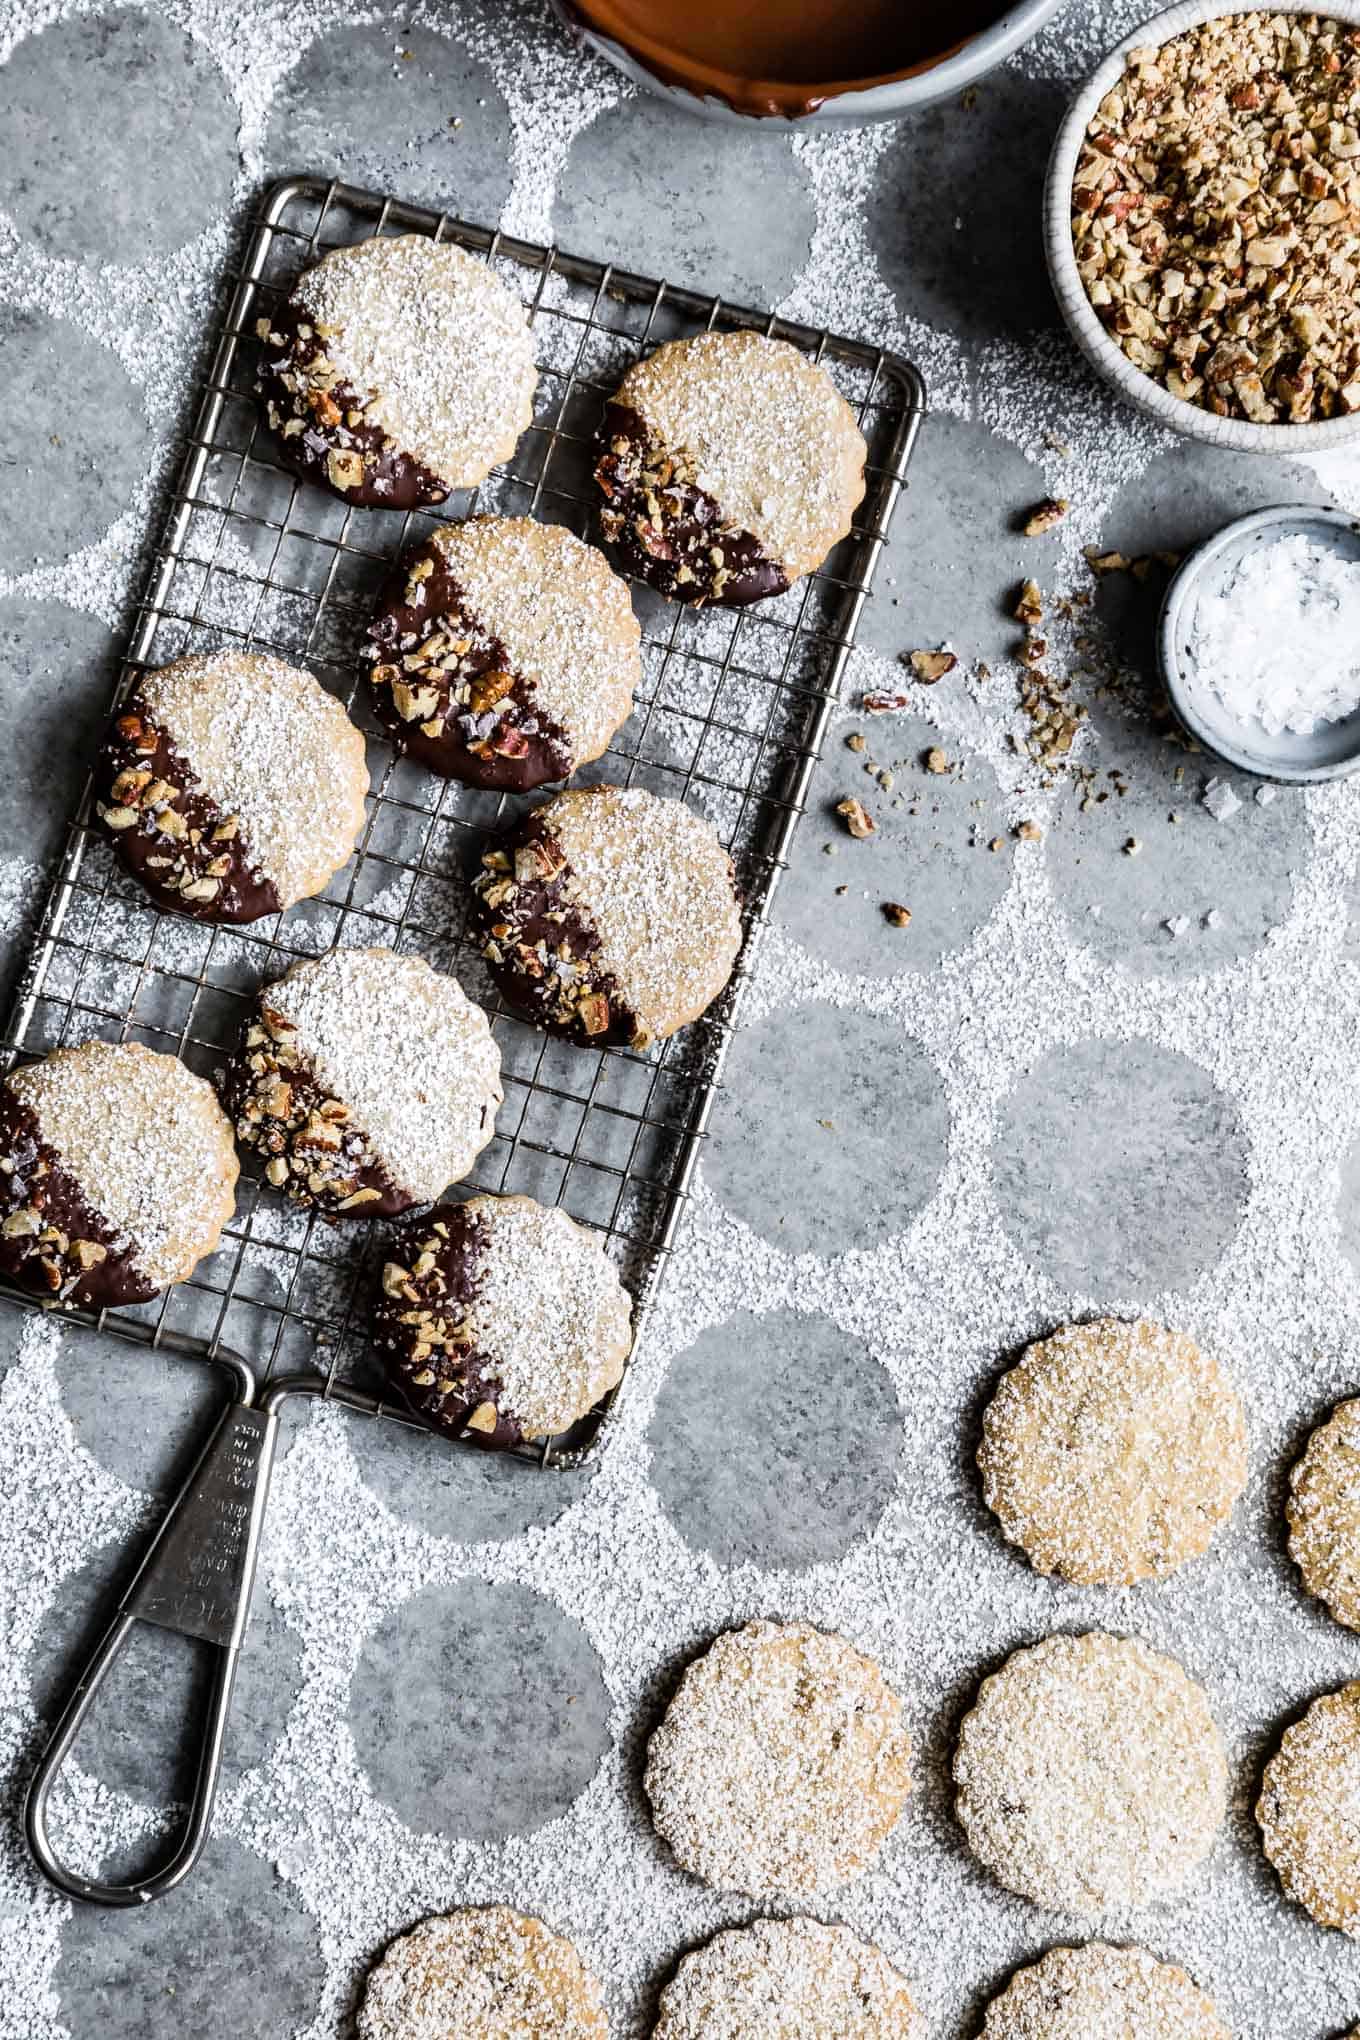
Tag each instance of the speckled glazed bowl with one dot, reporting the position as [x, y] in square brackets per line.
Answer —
[887, 100]
[1105, 354]
[1331, 752]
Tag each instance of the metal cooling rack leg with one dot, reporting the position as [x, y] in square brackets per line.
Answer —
[195, 1580]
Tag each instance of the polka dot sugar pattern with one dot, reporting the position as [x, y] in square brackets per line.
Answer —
[1190, 1096]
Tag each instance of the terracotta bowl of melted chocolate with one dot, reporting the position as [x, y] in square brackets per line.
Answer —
[810, 61]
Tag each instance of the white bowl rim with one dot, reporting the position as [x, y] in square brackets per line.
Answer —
[1180, 589]
[1105, 354]
[887, 99]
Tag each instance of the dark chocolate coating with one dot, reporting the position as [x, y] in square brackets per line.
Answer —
[490, 733]
[193, 852]
[665, 531]
[432, 1362]
[523, 921]
[306, 1136]
[330, 420]
[53, 1243]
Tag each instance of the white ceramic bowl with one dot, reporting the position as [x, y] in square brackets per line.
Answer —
[886, 101]
[1105, 354]
[1330, 752]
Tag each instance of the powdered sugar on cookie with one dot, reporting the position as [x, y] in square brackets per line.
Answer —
[435, 344]
[763, 431]
[549, 1313]
[406, 1050]
[269, 746]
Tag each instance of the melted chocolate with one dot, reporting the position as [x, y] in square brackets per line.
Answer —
[53, 1243]
[541, 948]
[310, 1145]
[420, 1328]
[784, 57]
[177, 842]
[321, 426]
[445, 688]
[669, 533]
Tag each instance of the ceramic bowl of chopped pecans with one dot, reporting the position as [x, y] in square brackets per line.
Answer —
[1202, 222]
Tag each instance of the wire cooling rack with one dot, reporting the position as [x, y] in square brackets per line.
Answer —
[731, 717]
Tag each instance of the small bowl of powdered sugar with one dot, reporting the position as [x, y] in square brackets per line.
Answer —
[1259, 641]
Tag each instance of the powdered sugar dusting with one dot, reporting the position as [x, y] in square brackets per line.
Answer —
[788, 1980]
[1100, 1993]
[436, 340]
[147, 1144]
[550, 1313]
[270, 746]
[563, 616]
[1091, 1774]
[654, 882]
[406, 1050]
[483, 1975]
[781, 1764]
[762, 430]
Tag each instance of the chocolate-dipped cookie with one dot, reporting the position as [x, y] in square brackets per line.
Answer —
[398, 369]
[232, 785]
[610, 916]
[117, 1174]
[501, 1319]
[505, 653]
[731, 466]
[368, 1081]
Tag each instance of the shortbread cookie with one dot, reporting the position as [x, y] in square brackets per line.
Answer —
[117, 1174]
[506, 653]
[398, 369]
[484, 1974]
[1091, 1776]
[610, 916]
[782, 1762]
[731, 466]
[501, 1319]
[1307, 1807]
[787, 1980]
[232, 785]
[1101, 1993]
[1113, 1452]
[1324, 1514]
[367, 1081]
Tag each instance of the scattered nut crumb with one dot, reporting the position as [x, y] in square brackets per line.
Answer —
[1132, 847]
[854, 742]
[897, 914]
[935, 760]
[1044, 516]
[1029, 603]
[931, 666]
[997, 843]
[1029, 832]
[884, 704]
[857, 820]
